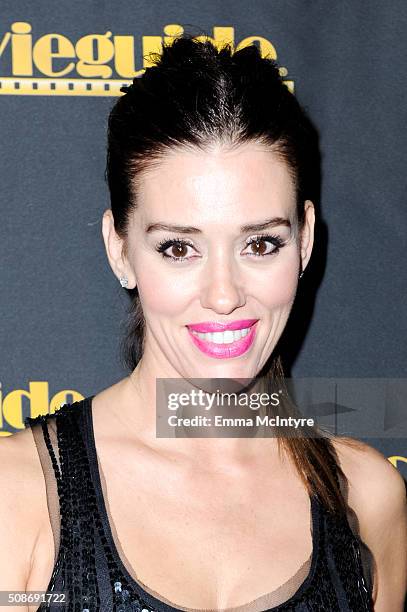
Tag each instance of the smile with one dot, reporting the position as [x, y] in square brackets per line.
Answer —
[224, 344]
[223, 337]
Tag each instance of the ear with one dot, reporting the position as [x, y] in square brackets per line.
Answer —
[307, 234]
[114, 246]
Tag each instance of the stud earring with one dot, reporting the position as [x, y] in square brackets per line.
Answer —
[124, 281]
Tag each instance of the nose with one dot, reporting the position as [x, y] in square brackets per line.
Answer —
[222, 287]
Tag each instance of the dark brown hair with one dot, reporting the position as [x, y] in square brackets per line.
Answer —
[197, 94]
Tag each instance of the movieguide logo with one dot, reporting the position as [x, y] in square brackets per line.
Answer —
[260, 407]
[94, 64]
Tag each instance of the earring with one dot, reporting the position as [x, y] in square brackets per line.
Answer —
[301, 275]
[124, 281]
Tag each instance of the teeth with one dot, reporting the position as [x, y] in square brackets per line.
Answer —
[223, 337]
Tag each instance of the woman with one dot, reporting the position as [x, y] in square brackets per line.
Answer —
[211, 222]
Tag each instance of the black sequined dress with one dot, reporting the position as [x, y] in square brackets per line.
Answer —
[90, 571]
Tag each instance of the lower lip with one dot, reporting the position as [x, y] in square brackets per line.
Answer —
[225, 351]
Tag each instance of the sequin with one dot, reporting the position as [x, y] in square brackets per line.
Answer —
[85, 554]
[125, 594]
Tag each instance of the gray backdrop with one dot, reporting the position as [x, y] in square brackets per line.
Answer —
[62, 308]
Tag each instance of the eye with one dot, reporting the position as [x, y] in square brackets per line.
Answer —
[178, 248]
[263, 245]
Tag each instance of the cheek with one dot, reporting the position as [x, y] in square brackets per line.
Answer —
[167, 290]
[281, 289]
[276, 286]
[163, 291]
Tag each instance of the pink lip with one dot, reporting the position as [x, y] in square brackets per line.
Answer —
[209, 326]
[225, 351]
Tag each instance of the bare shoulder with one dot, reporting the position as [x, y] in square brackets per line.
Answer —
[21, 507]
[20, 470]
[376, 487]
[377, 494]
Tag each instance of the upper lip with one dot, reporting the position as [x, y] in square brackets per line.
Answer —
[210, 326]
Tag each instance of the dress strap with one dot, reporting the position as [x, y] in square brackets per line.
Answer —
[45, 437]
[60, 443]
[363, 556]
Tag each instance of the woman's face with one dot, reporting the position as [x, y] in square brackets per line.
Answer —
[220, 270]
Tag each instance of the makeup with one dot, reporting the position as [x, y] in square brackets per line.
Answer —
[273, 242]
[223, 341]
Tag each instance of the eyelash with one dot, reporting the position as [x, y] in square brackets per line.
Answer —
[164, 244]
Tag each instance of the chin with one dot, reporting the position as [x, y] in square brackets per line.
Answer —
[226, 369]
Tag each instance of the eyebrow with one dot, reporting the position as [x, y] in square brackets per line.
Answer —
[187, 229]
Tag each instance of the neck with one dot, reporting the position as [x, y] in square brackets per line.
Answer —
[147, 412]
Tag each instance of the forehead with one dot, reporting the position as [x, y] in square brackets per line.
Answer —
[216, 185]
